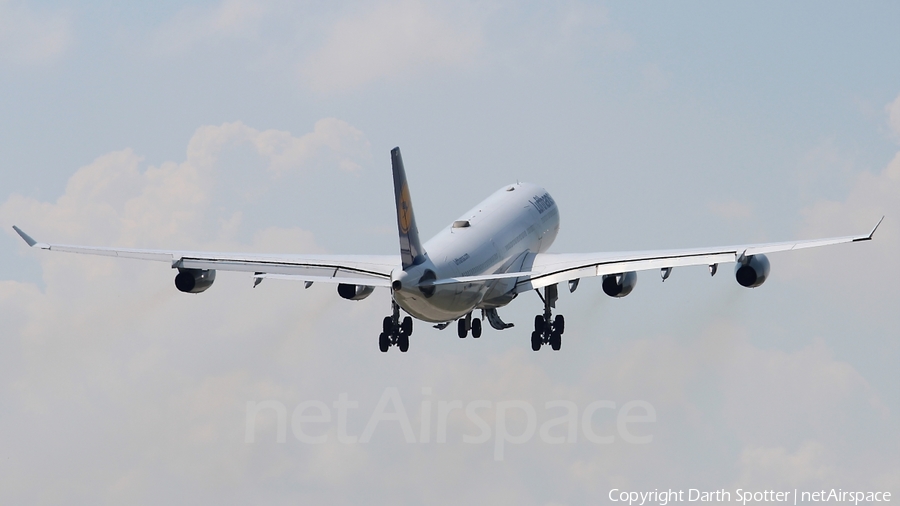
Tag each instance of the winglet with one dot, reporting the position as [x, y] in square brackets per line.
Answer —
[872, 233]
[23, 235]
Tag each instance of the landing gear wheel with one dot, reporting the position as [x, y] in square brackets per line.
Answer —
[387, 325]
[406, 327]
[536, 341]
[384, 342]
[476, 328]
[555, 340]
[539, 324]
[461, 328]
[547, 329]
[403, 342]
[559, 324]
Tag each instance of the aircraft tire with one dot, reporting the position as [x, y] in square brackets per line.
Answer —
[407, 326]
[536, 341]
[387, 325]
[559, 324]
[461, 329]
[403, 342]
[555, 340]
[383, 342]
[476, 328]
[539, 323]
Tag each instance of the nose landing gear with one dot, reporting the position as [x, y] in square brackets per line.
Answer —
[548, 330]
[394, 331]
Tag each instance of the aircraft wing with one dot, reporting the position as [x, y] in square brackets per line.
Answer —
[352, 269]
[550, 268]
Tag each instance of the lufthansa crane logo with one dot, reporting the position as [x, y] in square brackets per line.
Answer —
[404, 210]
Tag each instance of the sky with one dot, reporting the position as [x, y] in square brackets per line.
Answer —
[266, 126]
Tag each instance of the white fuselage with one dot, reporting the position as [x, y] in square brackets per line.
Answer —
[504, 231]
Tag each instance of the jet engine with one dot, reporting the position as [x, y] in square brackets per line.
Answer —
[752, 271]
[194, 280]
[619, 285]
[355, 292]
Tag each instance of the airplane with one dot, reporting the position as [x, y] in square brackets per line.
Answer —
[481, 261]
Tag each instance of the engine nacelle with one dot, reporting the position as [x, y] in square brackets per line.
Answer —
[194, 280]
[752, 271]
[355, 292]
[619, 285]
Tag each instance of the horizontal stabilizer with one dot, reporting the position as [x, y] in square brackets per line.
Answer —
[327, 279]
[477, 279]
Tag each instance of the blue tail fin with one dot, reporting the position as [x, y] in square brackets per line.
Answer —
[411, 251]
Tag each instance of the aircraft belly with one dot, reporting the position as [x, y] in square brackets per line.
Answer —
[447, 303]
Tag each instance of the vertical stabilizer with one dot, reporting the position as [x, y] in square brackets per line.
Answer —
[411, 252]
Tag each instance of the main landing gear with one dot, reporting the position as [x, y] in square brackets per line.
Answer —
[468, 323]
[394, 332]
[475, 324]
[548, 330]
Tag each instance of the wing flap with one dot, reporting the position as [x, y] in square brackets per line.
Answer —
[815, 243]
[606, 265]
[326, 266]
[159, 256]
[321, 266]
[552, 268]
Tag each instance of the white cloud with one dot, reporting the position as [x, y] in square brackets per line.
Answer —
[155, 384]
[774, 467]
[230, 19]
[559, 32]
[731, 209]
[826, 170]
[113, 200]
[32, 37]
[135, 386]
[893, 110]
[332, 142]
[858, 275]
[367, 42]
[111, 353]
[790, 393]
[587, 25]
[392, 40]
[869, 197]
